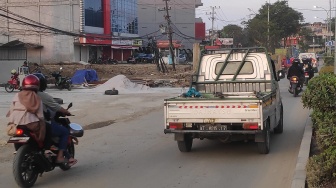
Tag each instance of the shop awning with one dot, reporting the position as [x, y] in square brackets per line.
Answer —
[125, 47]
[18, 44]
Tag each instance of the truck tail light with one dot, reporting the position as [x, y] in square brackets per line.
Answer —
[175, 125]
[251, 126]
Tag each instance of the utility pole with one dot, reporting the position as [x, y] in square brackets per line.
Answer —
[268, 25]
[170, 33]
[212, 13]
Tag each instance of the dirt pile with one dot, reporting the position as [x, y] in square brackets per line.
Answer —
[139, 72]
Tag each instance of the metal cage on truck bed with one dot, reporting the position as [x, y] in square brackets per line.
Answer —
[234, 70]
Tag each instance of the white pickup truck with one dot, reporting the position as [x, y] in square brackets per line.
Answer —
[234, 96]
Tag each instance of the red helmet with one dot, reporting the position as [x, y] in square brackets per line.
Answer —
[31, 82]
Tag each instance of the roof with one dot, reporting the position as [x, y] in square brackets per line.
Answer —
[18, 43]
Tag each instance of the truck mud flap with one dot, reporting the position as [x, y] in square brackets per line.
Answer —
[179, 137]
[259, 137]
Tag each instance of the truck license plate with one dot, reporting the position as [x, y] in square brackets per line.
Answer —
[213, 127]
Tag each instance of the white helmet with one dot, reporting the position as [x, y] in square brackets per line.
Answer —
[13, 71]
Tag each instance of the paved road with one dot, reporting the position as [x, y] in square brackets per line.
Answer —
[136, 154]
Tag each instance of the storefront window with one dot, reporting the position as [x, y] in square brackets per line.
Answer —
[124, 16]
[93, 13]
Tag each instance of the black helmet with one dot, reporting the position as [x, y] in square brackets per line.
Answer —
[43, 81]
[296, 61]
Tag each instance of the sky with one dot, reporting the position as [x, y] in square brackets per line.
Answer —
[236, 11]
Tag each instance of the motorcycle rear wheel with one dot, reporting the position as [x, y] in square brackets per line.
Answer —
[9, 88]
[71, 151]
[24, 171]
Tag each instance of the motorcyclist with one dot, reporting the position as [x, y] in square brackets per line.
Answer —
[309, 68]
[25, 65]
[296, 70]
[50, 107]
[15, 76]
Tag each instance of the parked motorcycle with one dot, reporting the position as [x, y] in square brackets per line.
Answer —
[111, 61]
[13, 83]
[60, 81]
[131, 59]
[32, 159]
[295, 87]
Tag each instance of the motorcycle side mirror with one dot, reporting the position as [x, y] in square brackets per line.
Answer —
[69, 106]
[281, 74]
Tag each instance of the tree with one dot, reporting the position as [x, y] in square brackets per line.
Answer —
[306, 37]
[283, 22]
[233, 31]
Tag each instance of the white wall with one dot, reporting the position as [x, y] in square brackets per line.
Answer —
[6, 67]
[63, 15]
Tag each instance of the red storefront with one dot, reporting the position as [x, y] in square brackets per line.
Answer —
[104, 44]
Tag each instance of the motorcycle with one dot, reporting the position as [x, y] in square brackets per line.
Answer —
[13, 83]
[131, 59]
[33, 159]
[111, 61]
[60, 81]
[295, 87]
[306, 75]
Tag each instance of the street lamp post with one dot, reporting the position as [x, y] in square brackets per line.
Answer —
[328, 27]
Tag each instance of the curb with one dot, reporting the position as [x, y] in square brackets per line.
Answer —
[299, 178]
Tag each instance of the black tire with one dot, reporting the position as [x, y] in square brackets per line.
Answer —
[186, 145]
[279, 128]
[69, 87]
[23, 167]
[264, 147]
[60, 86]
[9, 88]
[71, 151]
[111, 92]
[295, 91]
[59, 100]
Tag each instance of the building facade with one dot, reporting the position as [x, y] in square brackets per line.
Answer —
[151, 16]
[66, 31]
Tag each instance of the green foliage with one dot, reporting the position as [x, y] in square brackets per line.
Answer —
[322, 168]
[306, 33]
[327, 70]
[320, 93]
[326, 129]
[320, 96]
[284, 22]
[233, 31]
[328, 60]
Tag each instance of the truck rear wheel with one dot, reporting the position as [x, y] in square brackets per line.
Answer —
[264, 147]
[185, 146]
[279, 128]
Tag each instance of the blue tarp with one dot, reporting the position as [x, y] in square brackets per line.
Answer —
[85, 75]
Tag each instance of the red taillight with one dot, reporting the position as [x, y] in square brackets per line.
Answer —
[251, 126]
[306, 73]
[175, 125]
[19, 132]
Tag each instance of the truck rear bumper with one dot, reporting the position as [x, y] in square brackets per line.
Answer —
[167, 131]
